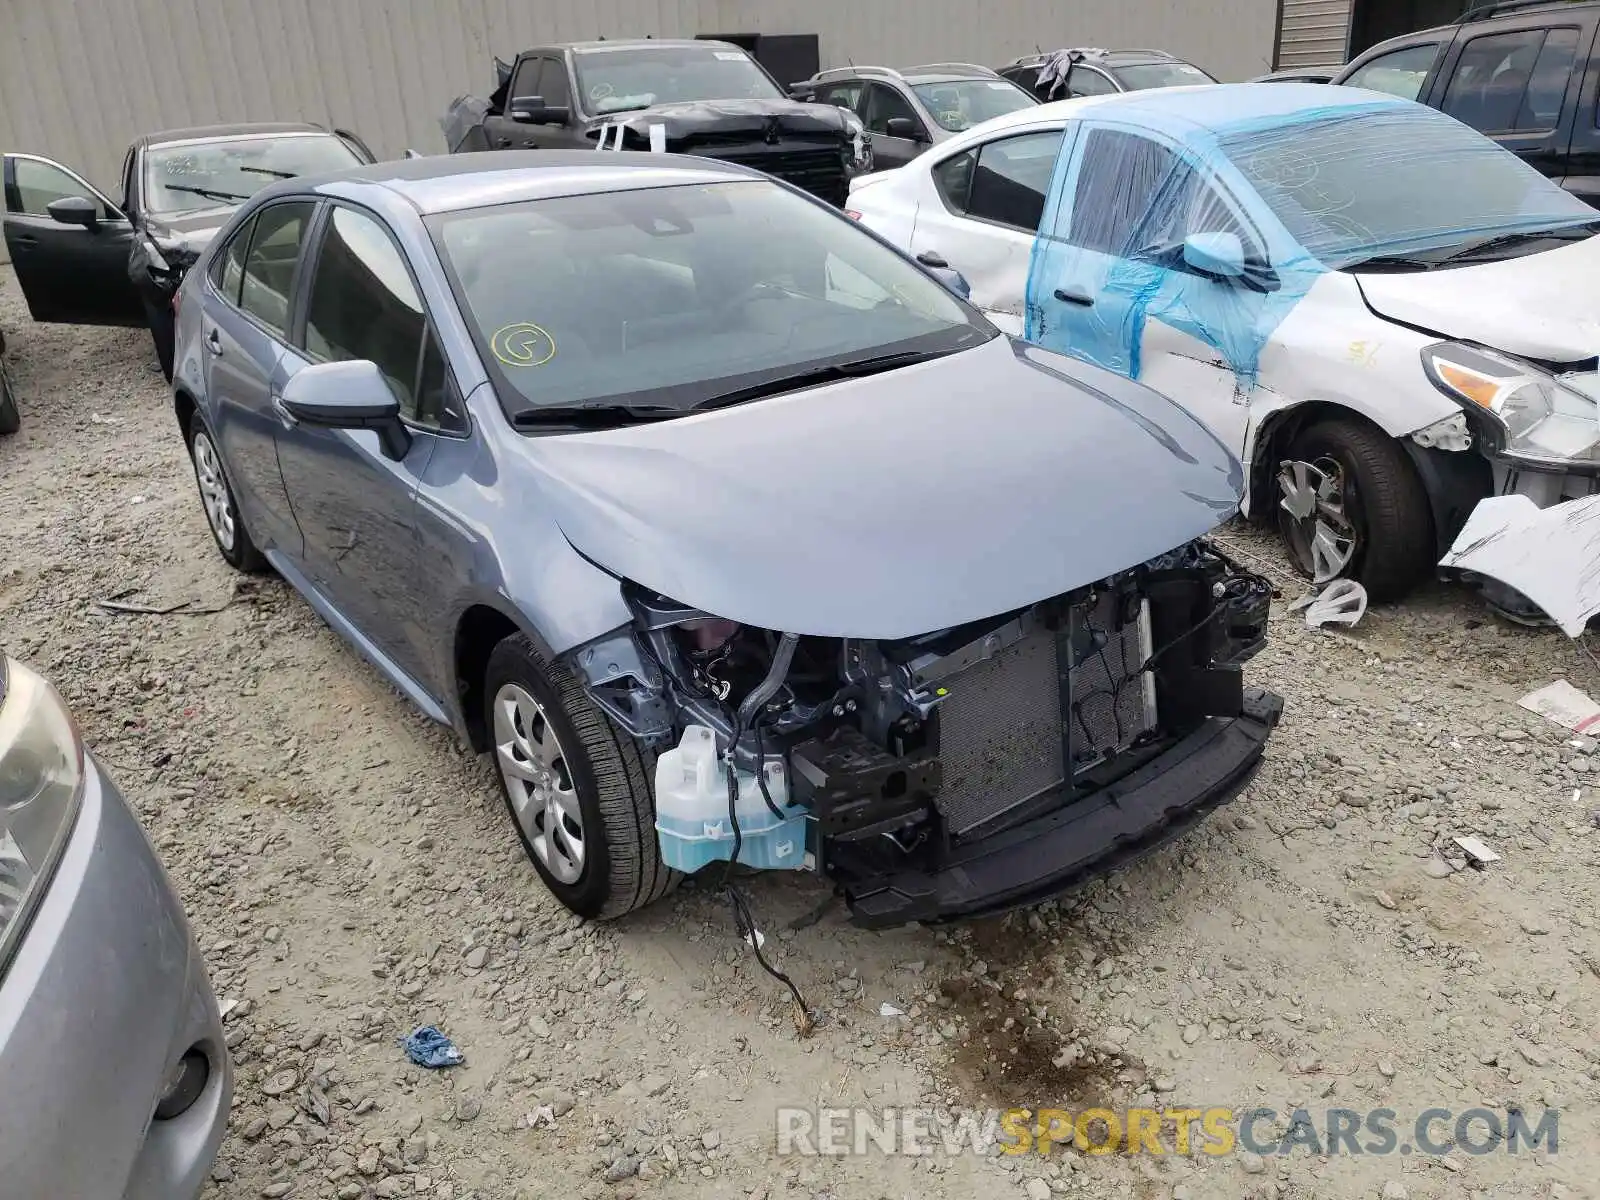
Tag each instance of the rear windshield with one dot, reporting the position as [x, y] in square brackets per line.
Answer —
[963, 103]
[1356, 183]
[1160, 75]
[667, 296]
[618, 80]
[188, 176]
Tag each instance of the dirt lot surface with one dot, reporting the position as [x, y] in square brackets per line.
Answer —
[351, 873]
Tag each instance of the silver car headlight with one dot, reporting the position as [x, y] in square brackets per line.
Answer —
[1545, 419]
[41, 787]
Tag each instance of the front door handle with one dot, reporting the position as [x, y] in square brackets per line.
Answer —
[502, 142]
[214, 342]
[288, 418]
[1081, 299]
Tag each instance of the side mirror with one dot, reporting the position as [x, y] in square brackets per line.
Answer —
[75, 210]
[532, 110]
[1220, 255]
[941, 270]
[954, 280]
[904, 127]
[348, 395]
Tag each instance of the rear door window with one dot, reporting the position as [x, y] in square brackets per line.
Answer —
[1512, 82]
[227, 271]
[843, 95]
[1012, 178]
[267, 282]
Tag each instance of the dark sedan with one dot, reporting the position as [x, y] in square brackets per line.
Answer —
[728, 530]
[83, 260]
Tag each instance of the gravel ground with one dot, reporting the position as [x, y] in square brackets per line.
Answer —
[351, 873]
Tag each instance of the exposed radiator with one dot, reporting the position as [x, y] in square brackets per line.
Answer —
[1000, 729]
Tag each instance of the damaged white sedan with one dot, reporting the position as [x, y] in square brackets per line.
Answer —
[1386, 315]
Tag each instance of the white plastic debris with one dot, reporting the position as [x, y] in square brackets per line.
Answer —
[758, 940]
[1547, 554]
[888, 1010]
[1476, 851]
[1565, 705]
[658, 138]
[1342, 602]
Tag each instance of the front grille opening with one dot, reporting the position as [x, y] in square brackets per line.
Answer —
[1010, 723]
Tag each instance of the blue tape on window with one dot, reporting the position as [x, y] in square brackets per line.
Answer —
[1216, 210]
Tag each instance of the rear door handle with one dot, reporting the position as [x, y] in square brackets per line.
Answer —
[214, 342]
[1081, 299]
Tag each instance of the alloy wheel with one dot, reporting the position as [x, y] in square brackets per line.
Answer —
[534, 768]
[1315, 517]
[214, 490]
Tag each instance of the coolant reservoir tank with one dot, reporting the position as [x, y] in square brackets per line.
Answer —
[693, 825]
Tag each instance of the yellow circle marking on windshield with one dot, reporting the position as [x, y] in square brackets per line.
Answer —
[523, 344]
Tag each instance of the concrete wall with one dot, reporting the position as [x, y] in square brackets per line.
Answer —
[80, 78]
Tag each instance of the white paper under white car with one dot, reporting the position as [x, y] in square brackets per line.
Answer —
[1550, 555]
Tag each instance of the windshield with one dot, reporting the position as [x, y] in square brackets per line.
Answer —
[670, 296]
[963, 103]
[1398, 179]
[192, 175]
[1160, 75]
[614, 80]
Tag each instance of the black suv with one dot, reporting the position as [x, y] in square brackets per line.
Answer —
[1523, 72]
[908, 110]
[706, 98]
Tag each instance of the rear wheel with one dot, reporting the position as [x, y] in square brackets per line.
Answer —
[1350, 505]
[577, 788]
[10, 418]
[216, 495]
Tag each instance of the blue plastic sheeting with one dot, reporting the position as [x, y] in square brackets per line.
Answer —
[1308, 178]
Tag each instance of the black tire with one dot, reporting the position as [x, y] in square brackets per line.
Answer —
[1385, 502]
[164, 332]
[242, 554]
[622, 868]
[10, 418]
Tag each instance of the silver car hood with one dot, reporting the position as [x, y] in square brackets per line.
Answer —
[897, 504]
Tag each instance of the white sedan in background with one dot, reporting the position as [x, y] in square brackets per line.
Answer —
[1386, 315]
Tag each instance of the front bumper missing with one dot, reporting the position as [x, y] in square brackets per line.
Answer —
[1069, 846]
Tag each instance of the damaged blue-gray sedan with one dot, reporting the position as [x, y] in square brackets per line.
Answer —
[733, 534]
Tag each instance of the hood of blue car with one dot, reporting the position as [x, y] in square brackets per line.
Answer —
[897, 504]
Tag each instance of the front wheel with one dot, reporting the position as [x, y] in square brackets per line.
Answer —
[1350, 505]
[577, 788]
[164, 332]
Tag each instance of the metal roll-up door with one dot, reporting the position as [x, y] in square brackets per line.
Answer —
[1313, 33]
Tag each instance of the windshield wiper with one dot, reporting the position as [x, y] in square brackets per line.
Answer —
[208, 193]
[269, 171]
[593, 416]
[1401, 261]
[1565, 233]
[852, 369]
[610, 416]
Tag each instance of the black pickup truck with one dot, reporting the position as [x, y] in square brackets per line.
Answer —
[684, 97]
